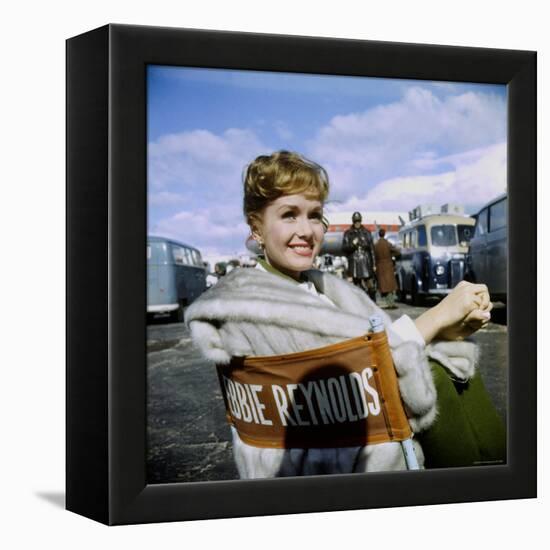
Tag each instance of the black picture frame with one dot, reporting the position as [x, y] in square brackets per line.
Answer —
[106, 274]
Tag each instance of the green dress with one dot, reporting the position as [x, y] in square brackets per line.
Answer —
[468, 431]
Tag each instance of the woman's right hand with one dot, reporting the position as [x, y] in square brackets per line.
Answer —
[463, 311]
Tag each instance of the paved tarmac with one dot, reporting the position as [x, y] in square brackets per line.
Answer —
[188, 437]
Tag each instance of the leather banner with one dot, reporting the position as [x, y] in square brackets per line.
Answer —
[342, 395]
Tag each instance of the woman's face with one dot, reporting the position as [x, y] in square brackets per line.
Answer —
[291, 229]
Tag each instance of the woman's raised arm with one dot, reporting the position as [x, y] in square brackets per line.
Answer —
[466, 309]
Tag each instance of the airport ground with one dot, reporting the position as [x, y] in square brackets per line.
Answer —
[188, 438]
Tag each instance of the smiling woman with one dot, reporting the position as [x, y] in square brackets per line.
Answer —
[283, 204]
[290, 231]
[283, 306]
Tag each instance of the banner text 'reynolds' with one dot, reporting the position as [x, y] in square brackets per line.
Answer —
[346, 398]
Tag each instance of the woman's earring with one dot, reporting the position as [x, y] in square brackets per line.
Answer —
[258, 239]
[260, 243]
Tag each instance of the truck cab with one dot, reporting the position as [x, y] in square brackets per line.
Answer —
[488, 258]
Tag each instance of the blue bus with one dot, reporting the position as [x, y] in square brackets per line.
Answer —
[176, 275]
[434, 247]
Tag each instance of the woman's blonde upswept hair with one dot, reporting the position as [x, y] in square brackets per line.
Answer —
[282, 173]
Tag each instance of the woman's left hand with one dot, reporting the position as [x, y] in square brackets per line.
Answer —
[463, 311]
[477, 319]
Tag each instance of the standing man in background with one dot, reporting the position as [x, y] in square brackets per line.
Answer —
[359, 248]
[384, 253]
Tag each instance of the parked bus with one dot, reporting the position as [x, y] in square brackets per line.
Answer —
[488, 259]
[176, 275]
[433, 251]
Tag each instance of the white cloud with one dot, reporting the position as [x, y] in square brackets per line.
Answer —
[359, 149]
[200, 159]
[166, 198]
[210, 230]
[391, 157]
[476, 177]
[195, 187]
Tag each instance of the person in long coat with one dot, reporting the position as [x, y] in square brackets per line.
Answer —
[358, 246]
[384, 252]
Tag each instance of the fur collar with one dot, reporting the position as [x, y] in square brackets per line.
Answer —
[243, 295]
[255, 296]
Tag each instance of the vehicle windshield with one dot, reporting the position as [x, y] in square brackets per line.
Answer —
[156, 252]
[443, 235]
[465, 233]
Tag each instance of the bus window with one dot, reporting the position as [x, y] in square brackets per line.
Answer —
[481, 225]
[497, 215]
[180, 256]
[443, 235]
[156, 252]
[196, 258]
[422, 238]
[188, 256]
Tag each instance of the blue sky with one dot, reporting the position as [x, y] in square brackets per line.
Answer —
[387, 144]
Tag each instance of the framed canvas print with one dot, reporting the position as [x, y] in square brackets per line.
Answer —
[296, 279]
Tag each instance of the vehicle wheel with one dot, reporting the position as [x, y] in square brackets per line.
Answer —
[400, 293]
[177, 315]
[416, 299]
